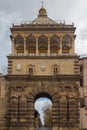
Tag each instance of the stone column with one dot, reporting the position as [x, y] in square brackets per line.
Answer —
[72, 49]
[13, 48]
[60, 52]
[48, 46]
[25, 51]
[37, 46]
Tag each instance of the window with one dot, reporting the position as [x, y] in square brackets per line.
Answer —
[54, 44]
[55, 69]
[42, 45]
[31, 44]
[31, 69]
[66, 44]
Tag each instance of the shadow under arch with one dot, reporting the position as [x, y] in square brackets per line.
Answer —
[43, 94]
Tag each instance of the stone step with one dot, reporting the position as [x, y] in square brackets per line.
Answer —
[43, 128]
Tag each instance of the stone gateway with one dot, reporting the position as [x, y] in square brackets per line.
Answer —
[43, 63]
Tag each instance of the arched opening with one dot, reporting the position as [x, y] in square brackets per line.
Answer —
[66, 44]
[43, 107]
[42, 45]
[31, 45]
[43, 91]
[19, 45]
[54, 45]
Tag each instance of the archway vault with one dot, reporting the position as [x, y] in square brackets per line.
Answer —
[62, 104]
[43, 91]
[21, 103]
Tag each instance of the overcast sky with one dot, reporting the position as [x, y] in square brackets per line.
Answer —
[17, 11]
[42, 104]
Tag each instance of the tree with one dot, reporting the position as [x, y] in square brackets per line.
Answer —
[37, 119]
[48, 116]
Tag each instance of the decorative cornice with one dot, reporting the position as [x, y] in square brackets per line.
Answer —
[44, 57]
[42, 78]
[44, 28]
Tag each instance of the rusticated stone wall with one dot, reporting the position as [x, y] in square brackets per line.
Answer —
[22, 91]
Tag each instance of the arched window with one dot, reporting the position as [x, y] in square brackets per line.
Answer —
[42, 45]
[31, 69]
[19, 44]
[54, 44]
[18, 39]
[31, 45]
[55, 69]
[66, 44]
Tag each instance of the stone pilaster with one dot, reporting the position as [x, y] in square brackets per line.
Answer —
[72, 46]
[13, 46]
[37, 46]
[48, 46]
[60, 51]
[25, 51]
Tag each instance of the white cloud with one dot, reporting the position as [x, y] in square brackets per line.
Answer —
[41, 104]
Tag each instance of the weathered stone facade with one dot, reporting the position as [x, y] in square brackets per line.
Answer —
[83, 92]
[43, 63]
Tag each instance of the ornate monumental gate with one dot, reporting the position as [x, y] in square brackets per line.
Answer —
[42, 64]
